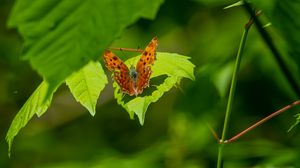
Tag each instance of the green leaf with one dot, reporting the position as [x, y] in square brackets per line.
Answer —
[86, 85]
[174, 66]
[61, 36]
[37, 103]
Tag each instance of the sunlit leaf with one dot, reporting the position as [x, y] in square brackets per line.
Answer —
[36, 104]
[86, 85]
[174, 66]
[61, 36]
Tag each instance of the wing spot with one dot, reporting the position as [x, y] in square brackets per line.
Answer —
[115, 58]
[145, 53]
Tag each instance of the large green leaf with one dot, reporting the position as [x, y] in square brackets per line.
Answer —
[61, 36]
[86, 85]
[174, 66]
[37, 103]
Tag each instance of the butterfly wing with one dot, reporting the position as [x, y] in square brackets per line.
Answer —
[120, 71]
[144, 64]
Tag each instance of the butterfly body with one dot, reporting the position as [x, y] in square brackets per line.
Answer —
[132, 81]
[133, 73]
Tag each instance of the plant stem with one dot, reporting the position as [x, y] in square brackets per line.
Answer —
[268, 40]
[232, 91]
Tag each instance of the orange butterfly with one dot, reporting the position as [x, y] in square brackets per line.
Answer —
[132, 81]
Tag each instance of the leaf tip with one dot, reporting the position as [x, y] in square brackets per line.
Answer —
[9, 142]
[92, 112]
[239, 3]
[141, 120]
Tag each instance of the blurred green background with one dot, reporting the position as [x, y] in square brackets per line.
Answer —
[175, 134]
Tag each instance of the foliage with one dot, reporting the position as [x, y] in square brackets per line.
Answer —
[86, 85]
[174, 66]
[37, 104]
[68, 34]
[60, 38]
[175, 134]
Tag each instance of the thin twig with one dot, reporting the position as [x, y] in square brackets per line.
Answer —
[213, 132]
[262, 121]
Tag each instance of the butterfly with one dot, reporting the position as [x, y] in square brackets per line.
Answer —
[133, 80]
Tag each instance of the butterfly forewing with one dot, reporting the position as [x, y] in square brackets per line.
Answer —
[120, 71]
[144, 64]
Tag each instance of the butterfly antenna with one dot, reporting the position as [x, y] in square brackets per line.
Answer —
[122, 51]
[140, 49]
[127, 49]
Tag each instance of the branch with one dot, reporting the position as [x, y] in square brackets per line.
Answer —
[262, 121]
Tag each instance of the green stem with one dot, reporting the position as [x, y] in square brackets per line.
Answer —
[231, 93]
